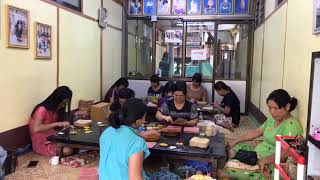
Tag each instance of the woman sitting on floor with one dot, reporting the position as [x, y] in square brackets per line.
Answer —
[122, 150]
[281, 123]
[124, 95]
[168, 93]
[230, 107]
[178, 110]
[196, 92]
[155, 89]
[113, 93]
[46, 117]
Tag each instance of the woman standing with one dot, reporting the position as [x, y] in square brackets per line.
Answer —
[122, 150]
[178, 110]
[47, 116]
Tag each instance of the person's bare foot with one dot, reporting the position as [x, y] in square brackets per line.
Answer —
[221, 174]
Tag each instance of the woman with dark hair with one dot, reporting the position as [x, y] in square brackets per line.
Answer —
[50, 114]
[124, 95]
[19, 30]
[230, 106]
[178, 110]
[281, 123]
[121, 145]
[168, 93]
[195, 92]
[113, 92]
[155, 89]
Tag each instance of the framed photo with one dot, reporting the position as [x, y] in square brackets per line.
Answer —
[173, 36]
[149, 7]
[42, 38]
[135, 7]
[194, 7]
[316, 16]
[178, 7]
[209, 7]
[225, 7]
[242, 7]
[17, 25]
[164, 7]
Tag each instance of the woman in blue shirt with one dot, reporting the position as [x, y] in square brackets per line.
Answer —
[122, 150]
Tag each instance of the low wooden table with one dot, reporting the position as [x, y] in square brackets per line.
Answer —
[214, 153]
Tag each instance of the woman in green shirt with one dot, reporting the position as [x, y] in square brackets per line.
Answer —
[281, 122]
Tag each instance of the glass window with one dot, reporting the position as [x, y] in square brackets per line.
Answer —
[199, 49]
[139, 62]
[233, 51]
[72, 4]
[169, 48]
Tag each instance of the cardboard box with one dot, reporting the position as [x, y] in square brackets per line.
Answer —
[100, 111]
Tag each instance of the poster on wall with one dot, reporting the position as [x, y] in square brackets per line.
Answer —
[225, 6]
[198, 54]
[149, 7]
[173, 36]
[43, 41]
[164, 7]
[17, 27]
[178, 7]
[194, 7]
[209, 7]
[242, 7]
[135, 7]
[316, 16]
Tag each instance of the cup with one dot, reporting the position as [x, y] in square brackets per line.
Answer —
[54, 160]
[210, 130]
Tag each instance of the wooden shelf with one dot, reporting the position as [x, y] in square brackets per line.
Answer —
[313, 141]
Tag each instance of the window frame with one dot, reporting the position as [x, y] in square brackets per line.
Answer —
[226, 20]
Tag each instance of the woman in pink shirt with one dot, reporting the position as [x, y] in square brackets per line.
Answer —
[46, 117]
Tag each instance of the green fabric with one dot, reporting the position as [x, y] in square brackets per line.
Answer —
[244, 175]
[289, 127]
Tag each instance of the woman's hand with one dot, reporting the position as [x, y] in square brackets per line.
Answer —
[231, 144]
[264, 170]
[215, 104]
[180, 122]
[63, 124]
[191, 123]
[168, 119]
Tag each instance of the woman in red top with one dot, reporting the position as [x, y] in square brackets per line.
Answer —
[46, 117]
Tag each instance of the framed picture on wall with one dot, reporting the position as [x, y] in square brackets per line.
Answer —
[43, 47]
[209, 7]
[178, 7]
[316, 16]
[194, 7]
[242, 7]
[17, 26]
[225, 7]
[149, 7]
[164, 7]
[135, 7]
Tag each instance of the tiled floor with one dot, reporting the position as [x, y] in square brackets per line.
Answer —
[45, 171]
